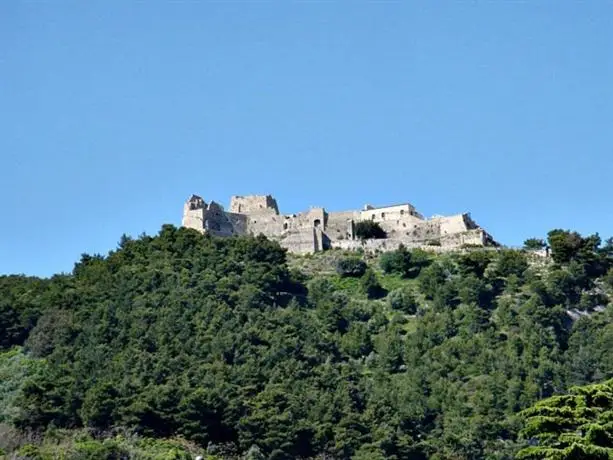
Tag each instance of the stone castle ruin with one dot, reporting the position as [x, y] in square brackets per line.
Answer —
[317, 230]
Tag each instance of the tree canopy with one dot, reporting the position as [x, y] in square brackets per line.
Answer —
[193, 344]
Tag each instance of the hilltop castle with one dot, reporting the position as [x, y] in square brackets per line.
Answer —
[317, 230]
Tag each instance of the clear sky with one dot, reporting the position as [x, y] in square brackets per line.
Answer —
[112, 113]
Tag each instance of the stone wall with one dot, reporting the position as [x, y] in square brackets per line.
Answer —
[300, 242]
[475, 237]
[216, 221]
[193, 213]
[239, 223]
[338, 226]
[316, 230]
[265, 222]
[389, 212]
[455, 224]
[253, 204]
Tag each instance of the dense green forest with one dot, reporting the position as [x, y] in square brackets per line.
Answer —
[181, 345]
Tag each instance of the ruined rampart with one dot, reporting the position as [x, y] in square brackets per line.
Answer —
[317, 230]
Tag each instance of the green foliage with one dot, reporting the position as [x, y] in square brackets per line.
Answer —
[402, 300]
[81, 445]
[218, 343]
[371, 286]
[398, 261]
[565, 245]
[21, 302]
[475, 262]
[576, 425]
[403, 262]
[510, 262]
[353, 267]
[15, 369]
[434, 278]
[368, 229]
[608, 279]
[533, 244]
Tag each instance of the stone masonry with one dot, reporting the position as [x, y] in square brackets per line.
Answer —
[317, 230]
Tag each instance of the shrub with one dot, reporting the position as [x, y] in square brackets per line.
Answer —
[351, 267]
[370, 285]
[398, 261]
[406, 263]
[29, 451]
[93, 450]
[367, 229]
[402, 300]
[433, 278]
[319, 289]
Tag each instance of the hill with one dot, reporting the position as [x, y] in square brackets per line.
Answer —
[181, 345]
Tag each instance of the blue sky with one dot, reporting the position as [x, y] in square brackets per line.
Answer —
[113, 113]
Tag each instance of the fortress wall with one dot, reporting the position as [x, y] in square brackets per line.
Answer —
[316, 230]
[305, 220]
[422, 231]
[300, 242]
[448, 243]
[400, 226]
[397, 221]
[383, 245]
[193, 218]
[388, 213]
[470, 223]
[474, 237]
[367, 245]
[316, 217]
[454, 224]
[252, 204]
[338, 224]
[267, 223]
[239, 223]
[216, 221]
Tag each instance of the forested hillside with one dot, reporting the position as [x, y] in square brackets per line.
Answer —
[181, 345]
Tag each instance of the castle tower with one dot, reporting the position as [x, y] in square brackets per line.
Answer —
[193, 213]
[253, 204]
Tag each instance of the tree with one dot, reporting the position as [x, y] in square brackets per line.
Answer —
[368, 229]
[370, 285]
[351, 267]
[475, 262]
[534, 244]
[403, 300]
[509, 263]
[565, 245]
[572, 426]
[398, 261]
[219, 342]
